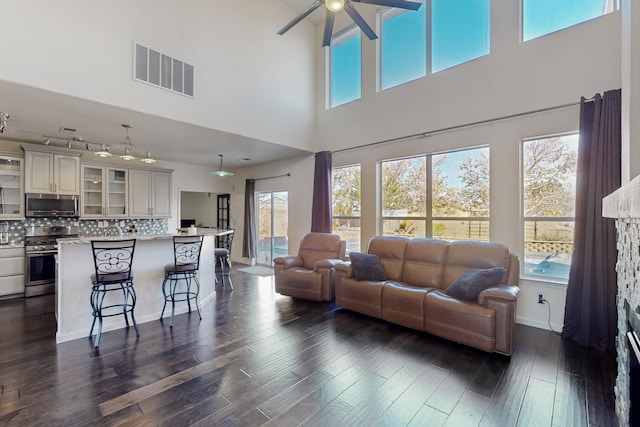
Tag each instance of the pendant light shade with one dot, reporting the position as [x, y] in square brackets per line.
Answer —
[103, 152]
[221, 172]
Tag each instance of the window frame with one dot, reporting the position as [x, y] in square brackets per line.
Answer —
[429, 218]
[614, 6]
[348, 217]
[337, 39]
[524, 219]
[380, 18]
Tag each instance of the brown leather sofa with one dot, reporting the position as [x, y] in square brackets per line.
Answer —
[310, 274]
[418, 273]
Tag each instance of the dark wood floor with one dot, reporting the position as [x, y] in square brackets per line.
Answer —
[259, 358]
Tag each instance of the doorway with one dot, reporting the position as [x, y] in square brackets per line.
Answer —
[273, 217]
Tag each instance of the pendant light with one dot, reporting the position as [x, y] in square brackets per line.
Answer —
[221, 172]
[128, 146]
[147, 158]
[103, 151]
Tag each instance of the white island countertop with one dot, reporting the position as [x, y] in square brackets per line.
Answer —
[152, 253]
[138, 236]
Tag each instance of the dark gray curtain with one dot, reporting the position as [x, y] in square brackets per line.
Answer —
[321, 207]
[590, 310]
[250, 231]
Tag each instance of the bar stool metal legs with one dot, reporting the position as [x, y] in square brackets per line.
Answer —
[223, 257]
[112, 261]
[186, 251]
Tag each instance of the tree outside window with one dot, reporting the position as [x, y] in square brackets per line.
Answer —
[444, 195]
[346, 205]
[549, 190]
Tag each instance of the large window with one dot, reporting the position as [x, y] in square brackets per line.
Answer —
[346, 205]
[346, 65]
[445, 196]
[403, 46]
[540, 17]
[549, 188]
[460, 32]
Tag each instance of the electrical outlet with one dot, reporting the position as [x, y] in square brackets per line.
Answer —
[541, 299]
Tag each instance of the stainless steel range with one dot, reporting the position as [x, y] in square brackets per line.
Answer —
[40, 245]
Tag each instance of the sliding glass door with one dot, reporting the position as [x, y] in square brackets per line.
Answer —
[273, 214]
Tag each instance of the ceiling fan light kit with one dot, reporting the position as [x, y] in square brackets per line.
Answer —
[335, 6]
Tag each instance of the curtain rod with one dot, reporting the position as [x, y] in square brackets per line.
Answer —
[480, 122]
[271, 177]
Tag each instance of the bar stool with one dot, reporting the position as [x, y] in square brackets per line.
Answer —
[186, 253]
[112, 260]
[223, 257]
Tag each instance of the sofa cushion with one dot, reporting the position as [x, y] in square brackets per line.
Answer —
[469, 285]
[391, 251]
[468, 255]
[424, 262]
[367, 267]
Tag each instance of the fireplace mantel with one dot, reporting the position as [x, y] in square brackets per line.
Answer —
[624, 206]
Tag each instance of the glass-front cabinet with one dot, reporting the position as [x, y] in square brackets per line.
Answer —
[104, 192]
[11, 199]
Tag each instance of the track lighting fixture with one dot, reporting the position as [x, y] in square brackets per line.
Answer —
[47, 141]
[103, 152]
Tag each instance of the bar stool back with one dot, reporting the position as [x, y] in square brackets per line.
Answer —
[186, 253]
[112, 260]
[223, 257]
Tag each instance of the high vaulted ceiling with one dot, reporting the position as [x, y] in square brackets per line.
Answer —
[36, 113]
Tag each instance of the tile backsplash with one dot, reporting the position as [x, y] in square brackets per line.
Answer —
[87, 228]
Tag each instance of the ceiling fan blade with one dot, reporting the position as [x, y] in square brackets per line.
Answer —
[359, 20]
[402, 4]
[328, 28]
[316, 4]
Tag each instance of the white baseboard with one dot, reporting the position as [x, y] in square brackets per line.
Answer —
[538, 324]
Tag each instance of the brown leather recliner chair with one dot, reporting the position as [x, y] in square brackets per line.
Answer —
[310, 275]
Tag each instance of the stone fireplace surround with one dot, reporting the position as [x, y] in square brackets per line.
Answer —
[624, 206]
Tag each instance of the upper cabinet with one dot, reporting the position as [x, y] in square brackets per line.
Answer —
[51, 173]
[149, 193]
[104, 192]
[11, 199]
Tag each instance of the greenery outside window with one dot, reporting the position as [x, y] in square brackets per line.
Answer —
[549, 167]
[346, 67]
[346, 205]
[443, 195]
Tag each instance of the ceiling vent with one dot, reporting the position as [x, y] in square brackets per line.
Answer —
[160, 70]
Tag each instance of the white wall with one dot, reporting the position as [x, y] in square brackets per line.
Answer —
[248, 80]
[515, 77]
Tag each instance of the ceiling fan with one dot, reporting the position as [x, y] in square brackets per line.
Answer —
[335, 6]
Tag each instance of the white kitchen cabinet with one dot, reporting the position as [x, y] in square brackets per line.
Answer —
[104, 192]
[11, 194]
[149, 193]
[11, 271]
[51, 173]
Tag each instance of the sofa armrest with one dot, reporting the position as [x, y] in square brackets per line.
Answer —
[506, 293]
[288, 261]
[344, 269]
[326, 263]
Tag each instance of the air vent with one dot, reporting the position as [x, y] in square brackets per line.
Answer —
[161, 70]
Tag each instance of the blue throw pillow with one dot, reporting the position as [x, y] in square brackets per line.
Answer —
[468, 286]
[367, 267]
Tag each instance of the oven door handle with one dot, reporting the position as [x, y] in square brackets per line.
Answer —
[41, 253]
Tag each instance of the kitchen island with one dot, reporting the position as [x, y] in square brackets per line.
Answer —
[152, 253]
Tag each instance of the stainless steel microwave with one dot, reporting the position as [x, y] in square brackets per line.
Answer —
[51, 205]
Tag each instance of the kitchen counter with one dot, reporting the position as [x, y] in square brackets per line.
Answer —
[152, 253]
[138, 236]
